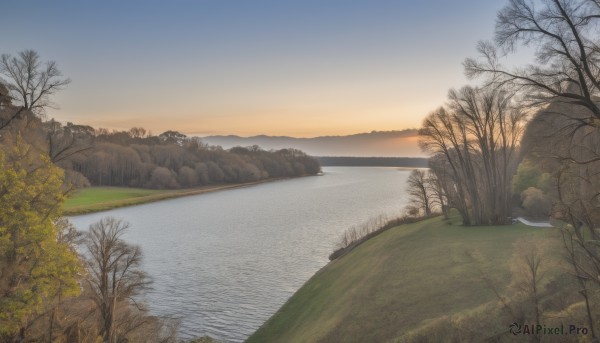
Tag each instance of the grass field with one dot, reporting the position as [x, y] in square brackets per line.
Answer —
[396, 282]
[95, 199]
[95, 195]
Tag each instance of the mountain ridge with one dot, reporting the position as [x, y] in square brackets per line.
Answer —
[394, 143]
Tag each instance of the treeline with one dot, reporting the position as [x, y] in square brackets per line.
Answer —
[136, 158]
[410, 162]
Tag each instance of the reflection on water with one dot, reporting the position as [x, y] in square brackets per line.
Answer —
[224, 262]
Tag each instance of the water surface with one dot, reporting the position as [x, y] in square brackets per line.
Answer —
[224, 262]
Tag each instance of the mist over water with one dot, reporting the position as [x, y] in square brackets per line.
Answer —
[224, 262]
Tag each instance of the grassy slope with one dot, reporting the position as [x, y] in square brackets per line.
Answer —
[396, 282]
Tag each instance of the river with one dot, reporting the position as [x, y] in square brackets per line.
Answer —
[224, 262]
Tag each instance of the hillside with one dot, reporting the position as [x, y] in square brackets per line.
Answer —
[400, 281]
[377, 143]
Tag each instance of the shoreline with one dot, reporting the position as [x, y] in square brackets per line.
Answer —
[169, 194]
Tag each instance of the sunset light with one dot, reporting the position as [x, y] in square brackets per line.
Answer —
[300, 171]
[263, 67]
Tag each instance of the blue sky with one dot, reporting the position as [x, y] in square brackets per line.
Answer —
[302, 68]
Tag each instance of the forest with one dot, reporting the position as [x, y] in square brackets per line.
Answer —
[136, 158]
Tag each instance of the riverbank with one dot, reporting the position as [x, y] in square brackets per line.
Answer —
[241, 253]
[398, 283]
[97, 199]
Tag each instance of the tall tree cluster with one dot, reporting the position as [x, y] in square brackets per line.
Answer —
[475, 139]
[562, 85]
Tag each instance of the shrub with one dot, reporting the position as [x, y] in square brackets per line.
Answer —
[536, 203]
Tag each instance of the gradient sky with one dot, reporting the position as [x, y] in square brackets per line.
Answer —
[284, 67]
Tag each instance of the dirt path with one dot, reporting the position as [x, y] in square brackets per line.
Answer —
[536, 224]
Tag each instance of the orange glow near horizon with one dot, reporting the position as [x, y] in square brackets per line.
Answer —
[301, 69]
[302, 126]
[357, 116]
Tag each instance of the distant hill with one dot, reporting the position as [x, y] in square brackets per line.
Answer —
[377, 143]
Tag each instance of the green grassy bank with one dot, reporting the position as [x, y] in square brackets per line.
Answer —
[398, 281]
[95, 199]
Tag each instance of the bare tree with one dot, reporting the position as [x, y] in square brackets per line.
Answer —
[418, 190]
[115, 275]
[569, 150]
[529, 267]
[438, 193]
[444, 185]
[30, 81]
[565, 34]
[583, 258]
[440, 138]
[477, 133]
